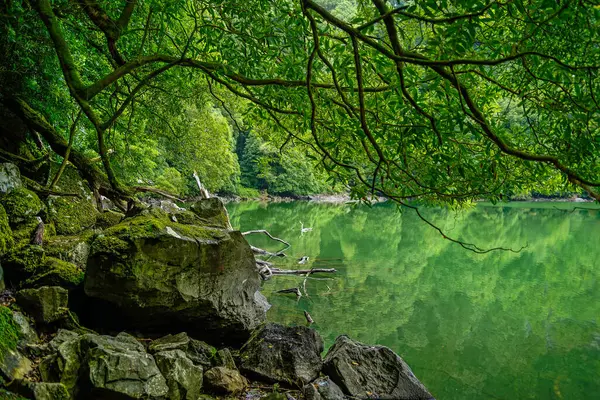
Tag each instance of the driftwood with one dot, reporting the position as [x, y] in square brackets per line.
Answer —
[277, 271]
[262, 252]
[308, 317]
[203, 192]
[295, 290]
[268, 234]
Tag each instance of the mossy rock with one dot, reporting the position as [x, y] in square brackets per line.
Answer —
[21, 204]
[6, 238]
[46, 305]
[109, 218]
[73, 249]
[13, 365]
[164, 275]
[10, 178]
[70, 214]
[29, 266]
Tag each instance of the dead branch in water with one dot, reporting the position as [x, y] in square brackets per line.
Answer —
[295, 290]
[277, 271]
[262, 252]
[268, 234]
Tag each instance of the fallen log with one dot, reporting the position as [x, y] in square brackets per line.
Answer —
[262, 252]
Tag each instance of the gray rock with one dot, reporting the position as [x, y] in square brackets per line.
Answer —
[10, 178]
[184, 379]
[46, 304]
[323, 389]
[14, 365]
[120, 367]
[359, 369]
[64, 365]
[72, 249]
[188, 278]
[212, 212]
[62, 336]
[27, 334]
[290, 355]
[198, 351]
[224, 380]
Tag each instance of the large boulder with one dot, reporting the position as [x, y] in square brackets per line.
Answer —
[162, 275]
[10, 178]
[184, 379]
[46, 305]
[71, 214]
[362, 370]
[289, 355]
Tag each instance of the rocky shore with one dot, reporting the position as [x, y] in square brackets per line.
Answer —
[160, 303]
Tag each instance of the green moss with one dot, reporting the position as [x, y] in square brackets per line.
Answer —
[6, 238]
[24, 230]
[21, 204]
[5, 395]
[108, 219]
[55, 272]
[30, 267]
[9, 332]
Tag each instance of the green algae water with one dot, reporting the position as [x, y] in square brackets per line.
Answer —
[472, 326]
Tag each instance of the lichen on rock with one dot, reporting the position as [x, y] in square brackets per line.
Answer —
[21, 204]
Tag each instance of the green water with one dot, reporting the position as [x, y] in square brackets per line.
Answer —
[492, 326]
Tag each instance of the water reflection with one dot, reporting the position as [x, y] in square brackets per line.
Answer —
[498, 325]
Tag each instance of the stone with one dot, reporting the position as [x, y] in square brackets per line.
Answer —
[27, 335]
[224, 358]
[13, 364]
[198, 351]
[165, 276]
[46, 305]
[289, 355]
[223, 380]
[120, 367]
[362, 370]
[49, 391]
[63, 366]
[212, 212]
[184, 379]
[72, 249]
[108, 218]
[21, 204]
[28, 266]
[6, 234]
[323, 389]
[10, 178]
[71, 214]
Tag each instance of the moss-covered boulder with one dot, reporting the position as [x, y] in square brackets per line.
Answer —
[46, 304]
[6, 238]
[29, 266]
[72, 249]
[70, 214]
[21, 205]
[163, 275]
[108, 218]
[198, 351]
[13, 365]
[211, 212]
[10, 178]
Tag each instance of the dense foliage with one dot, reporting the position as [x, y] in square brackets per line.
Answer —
[441, 101]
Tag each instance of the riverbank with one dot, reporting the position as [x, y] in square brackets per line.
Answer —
[162, 303]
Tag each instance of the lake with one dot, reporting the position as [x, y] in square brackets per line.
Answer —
[500, 325]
